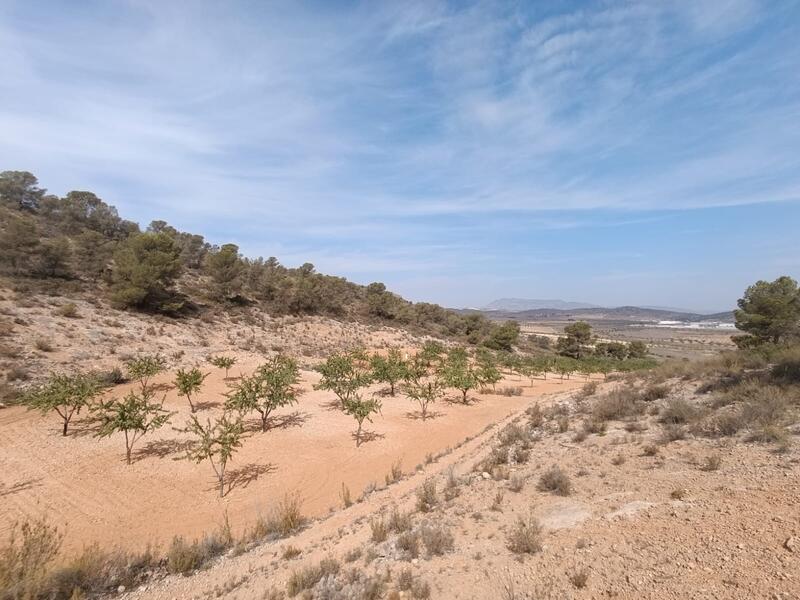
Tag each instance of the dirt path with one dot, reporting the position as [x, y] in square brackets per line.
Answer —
[84, 485]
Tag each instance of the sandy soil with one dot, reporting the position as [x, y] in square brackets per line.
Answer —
[638, 526]
[84, 485]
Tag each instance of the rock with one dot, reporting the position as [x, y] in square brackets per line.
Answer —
[120, 589]
[791, 543]
[485, 475]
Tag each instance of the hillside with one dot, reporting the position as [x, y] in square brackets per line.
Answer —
[626, 313]
[522, 304]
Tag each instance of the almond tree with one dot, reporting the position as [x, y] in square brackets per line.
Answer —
[66, 395]
[135, 415]
[488, 373]
[188, 383]
[272, 386]
[216, 442]
[389, 369]
[344, 375]
[143, 368]
[361, 410]
[458, 373]
[223, 362]
[421, 386]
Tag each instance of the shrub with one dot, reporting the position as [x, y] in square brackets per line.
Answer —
[408, 543]
[24, 562]
[765, 408]
[555, 480]
[285, 519]
[183, 557]
[589, 389]
[712, 462]
[437, 539]
[379, 530]
[308, 577]
[399, 522]
[526, 536]
[672, 432]
[69, 310]
[43, 345]
[535, 415]
[617, 404]
[579, 578]
[395, 474]
[678, 411]
[594, 425]
[65, 395]
[427, 498]
[655, 392]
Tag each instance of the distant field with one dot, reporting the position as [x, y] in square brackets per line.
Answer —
[688, 343]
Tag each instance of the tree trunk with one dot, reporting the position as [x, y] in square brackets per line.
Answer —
[358, 435]
[191, 404]
[66, 424]
[464, 396]
[391, 388]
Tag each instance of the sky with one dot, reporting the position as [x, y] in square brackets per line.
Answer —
[607, 152]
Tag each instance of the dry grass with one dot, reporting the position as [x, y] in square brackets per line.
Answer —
[617, 404]
[436, 539]
[307, 577]
[427, 497]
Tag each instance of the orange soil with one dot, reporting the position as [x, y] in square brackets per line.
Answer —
[82, 483]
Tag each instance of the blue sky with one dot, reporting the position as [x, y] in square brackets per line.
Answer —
[609, 152]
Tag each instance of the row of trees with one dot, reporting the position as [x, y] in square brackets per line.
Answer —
[81, 238]
[579, 342]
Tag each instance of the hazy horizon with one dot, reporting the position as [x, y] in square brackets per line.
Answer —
[616, 154]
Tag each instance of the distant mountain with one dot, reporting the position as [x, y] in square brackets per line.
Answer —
[520, 304]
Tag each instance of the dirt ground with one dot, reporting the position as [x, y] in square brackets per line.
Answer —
[634, 526]
[83, 484]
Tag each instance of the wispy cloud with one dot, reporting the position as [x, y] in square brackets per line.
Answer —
[363, 136]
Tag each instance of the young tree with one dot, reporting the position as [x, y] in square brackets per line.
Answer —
[135, 415]
[223, 362]
[272, 386]
[769, 312]
[143, 368]
[67, 395]
[344, 375]
[637, 349]
[488, 371]
[189, 382]
[564, 367]
[431, 353]
[146, 266]
[216, 442]
[532, 368]
[389, 369]
[457, 372]
[361, 410]
[503, 337]
[421, 386]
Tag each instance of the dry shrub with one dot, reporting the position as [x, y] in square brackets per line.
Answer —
[308, 577]
[650, 450]
[617, 404]
[285, 519]
[408, 543]
[679, 411]
[556, 480]
[535, 415]
[427, 498]
[712, 462]
[655, 392]
[68, 310]
[526, 536]
[395, 474]
[436, 538]
[594, 425]
[400, 522]
[379, 530]
[766, 408]
[43, 345]
[514, 434]
[787, 365]
[516, 483]
[27, 557]
[672, 432]
[589, 389]
[579, 578]
[183, 557]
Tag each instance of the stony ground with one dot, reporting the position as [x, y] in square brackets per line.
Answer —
[692, 518]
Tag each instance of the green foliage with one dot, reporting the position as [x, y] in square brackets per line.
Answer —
[575, 344]
[487, 367]
[189, 382]
[637, 349]
[146, 266]
[421, 385]
[216, 442]
[344, 374]
[360, 409]
[503, 337]
[134, 415]
[389, 369]
[457, 372]
[67, 395]
[143, 368]
[20, 190]
[769, 312]
[226, 269]
[272, 386]
[223, 362]
[19, 242]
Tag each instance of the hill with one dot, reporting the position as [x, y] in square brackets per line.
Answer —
[625, 313]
